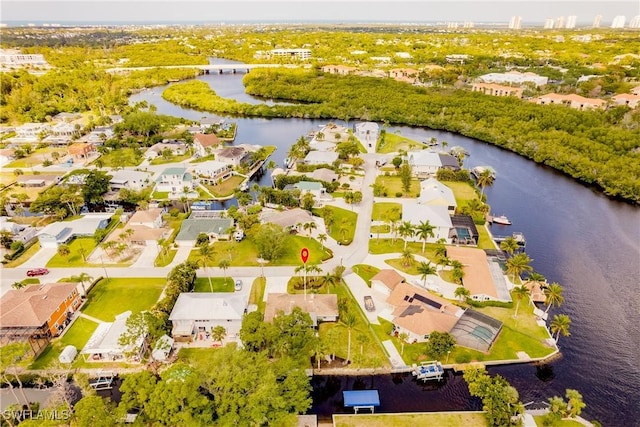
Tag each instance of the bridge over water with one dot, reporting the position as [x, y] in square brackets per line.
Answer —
[208, 68]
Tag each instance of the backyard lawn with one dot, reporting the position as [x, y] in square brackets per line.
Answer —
[219, 284]
[344, 226]
[395, 142]
[77, 336]
[440, 419]
[227, 187]
[366, 272]
[386, 211]
[113, 296]
[393, 185]
[74, 259]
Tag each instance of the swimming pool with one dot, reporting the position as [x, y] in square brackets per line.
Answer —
[463, 233]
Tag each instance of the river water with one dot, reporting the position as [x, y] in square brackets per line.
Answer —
[577, 237]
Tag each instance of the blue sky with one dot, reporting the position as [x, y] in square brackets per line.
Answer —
[216, 11]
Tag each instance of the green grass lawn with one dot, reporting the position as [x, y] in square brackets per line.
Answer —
[462, 190]
[160, 195]
[31, 251]
[440, 419]
[173, 159]
[385, 211]
[397, 264]
[219, 284]
[393, 184]
[204, 159]
[36, 157]
[77, 336]
[227, 187]
[386, 246]
[395, 142]
[366, 272]
[110, 298]
[164, 260]
[344, 227]
[257, 293]
[120, 158]
[74, 259]
[539, 419]
[376, 229]
[195, 356]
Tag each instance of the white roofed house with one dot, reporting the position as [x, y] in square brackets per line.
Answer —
[424, 162]
[367, 133]
[147, 228]
[321, 158]
[156, 150]
[59, 233]
[129, 179]
[212, 170]
[175, 181]
[437, 215]
[104, 344]
[19, 232]
[196, 314]
[30, 132]
[433, 192]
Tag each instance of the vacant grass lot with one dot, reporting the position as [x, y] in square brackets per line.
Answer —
[77, 336]
[111, 297]
[344, 227]
[74, 259]
[227, 187]
[37, 157]
[394, 142]
[440, 419]
[393, 184]
[219, 284]
[366, 272]
[120, 158]
[386, 211]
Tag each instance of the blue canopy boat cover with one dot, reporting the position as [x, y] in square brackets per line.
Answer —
[361, 398]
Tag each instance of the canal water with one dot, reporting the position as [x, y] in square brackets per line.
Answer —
[577, 237]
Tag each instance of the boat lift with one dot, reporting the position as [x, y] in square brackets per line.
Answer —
[104, 381]
[432, 370]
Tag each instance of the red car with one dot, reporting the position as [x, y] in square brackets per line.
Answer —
[37, 272]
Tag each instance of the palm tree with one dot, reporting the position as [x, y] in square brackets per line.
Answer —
[553, 294]
[403, 339]
[224, 264]
[18, 285]
[462, 293]
[407, 258]
[518, 264]
[328, 280]
[218, 333]
[322, 238]
[349, 320]
[309, 226]
[271, 164]
[485, 179]
[206, 252]
[425, 269]
[319, 350]
[560, 326]
[519, 292]
[82, 277]
[458, 271]
[405, 231]
[509, 245]
[424, 230]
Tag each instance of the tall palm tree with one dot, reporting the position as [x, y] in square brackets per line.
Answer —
[206, 252]
[322, 238]
[403, 337]
[425, 269]
[424, 230]
[509, 245]
[309, 226]
[349, 321]
[519, 292]
[560, 326]
[407, 258]
[224, 265]
[462, 293]
[218, 333]
[553, 294]
[406, 230]
[82, 277]
[458, 271]
[485, 179]
[328, 280]
[518, 264]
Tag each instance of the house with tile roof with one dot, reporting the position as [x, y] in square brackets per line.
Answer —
[496, 89]
[321, 307]
[574, 101]
[37, 313]
[386, 280]
[483, 278]
[628, 99]
[204, 143]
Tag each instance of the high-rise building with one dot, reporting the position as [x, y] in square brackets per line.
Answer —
[548, 23]
[560, 22]
[635, 22]
[515, 23]
[618, 21]
[571, 21]
[596, 21]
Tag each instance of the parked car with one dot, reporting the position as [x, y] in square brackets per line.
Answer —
[37, 272]
[238, 285]
[368, 303]
[238, 235]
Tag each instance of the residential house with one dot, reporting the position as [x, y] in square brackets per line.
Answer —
[635, 90]
[514, 77]
[386, 280]
[424, 162]
[324, 174]
[342, 70]
[67, 117]
[312, 187]
[129, 179]
[196, 314]
[448, 161]
[418, 313]
[61, 133]
[175, 181]
[81, 150]
[215, 228]
[203, 144]
[100, 134]
[30, 132]
[496, 89]
[37, 313]
[104, 344]
[39, 180]
[291, 219]
[437, 215]
[630, 100]
[483, 279]
[19, 232]
[574, 101]
[322, 145]
[147, 228]
[231, 155]
[6, 156]
[321, 307]
[151, 218]
[156, 150]
[60, 233]
[320, 158]
[407, 75]
[367, 133]
[433, 192]
[213, 170]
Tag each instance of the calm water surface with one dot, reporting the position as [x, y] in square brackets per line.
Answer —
[576, 237]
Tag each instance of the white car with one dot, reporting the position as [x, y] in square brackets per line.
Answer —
[238, 285]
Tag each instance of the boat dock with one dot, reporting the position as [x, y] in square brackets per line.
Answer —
[426, 371]
[104, 381]
[517, 236]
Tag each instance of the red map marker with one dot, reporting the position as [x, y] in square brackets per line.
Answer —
[304, 254]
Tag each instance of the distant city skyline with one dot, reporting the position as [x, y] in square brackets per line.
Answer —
[532, 12]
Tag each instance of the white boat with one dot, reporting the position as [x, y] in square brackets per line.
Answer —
[501, 220]
[432, 370]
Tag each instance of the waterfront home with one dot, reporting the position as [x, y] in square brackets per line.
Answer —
[342, 70]
[129, 179]
[321, 158]
[482, 277]
[493, 89]
[448, 161]
[324, 174]
[231, 155]
[418, 313]
[203, 144]
[367, 133]
[40, 180]
[81, 150]
[196, 314]
[215, 228]
[574, 101]
[437, 215]
[60, 233]
[156, 150]
[433, 192]
[630, 100]
[36, 313]
[386, 280]
[424, 162]
[463, 231]
[104, 344]
[290, 219]
[213, 170]
[312, 187]
[176, 181]
[321, 307]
